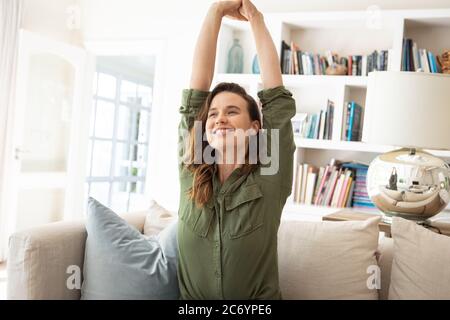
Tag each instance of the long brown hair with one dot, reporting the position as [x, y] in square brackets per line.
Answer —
[202, 188]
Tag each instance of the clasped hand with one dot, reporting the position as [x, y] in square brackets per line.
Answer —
[242, 10]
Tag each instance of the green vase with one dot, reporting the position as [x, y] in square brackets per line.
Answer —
[235, 58]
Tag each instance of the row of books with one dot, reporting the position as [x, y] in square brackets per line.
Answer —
[360, 197]
[416, 59]
[361, 65]
[336, 185]
[315, 126]
[295, 61]
[353, 121]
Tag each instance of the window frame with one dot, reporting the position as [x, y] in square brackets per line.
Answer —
[131, 142]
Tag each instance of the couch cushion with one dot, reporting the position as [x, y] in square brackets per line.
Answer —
[420, 265]
[385, 254]
[121, 263]
[157, 219]
[327, 259]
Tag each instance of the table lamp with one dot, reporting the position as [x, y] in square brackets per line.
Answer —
[409, 110]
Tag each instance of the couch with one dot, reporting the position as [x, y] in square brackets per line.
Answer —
[39, 258]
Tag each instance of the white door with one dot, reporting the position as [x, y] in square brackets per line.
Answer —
[47, 158]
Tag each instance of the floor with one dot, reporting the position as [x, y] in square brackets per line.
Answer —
[2, 281]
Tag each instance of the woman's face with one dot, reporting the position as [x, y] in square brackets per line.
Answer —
[229, 121]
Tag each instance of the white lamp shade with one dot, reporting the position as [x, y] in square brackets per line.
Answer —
[408, 109]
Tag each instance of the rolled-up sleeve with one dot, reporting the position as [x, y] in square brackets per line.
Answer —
[191, 102]
[278, 108]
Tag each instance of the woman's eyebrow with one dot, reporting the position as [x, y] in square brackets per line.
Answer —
[227, 107]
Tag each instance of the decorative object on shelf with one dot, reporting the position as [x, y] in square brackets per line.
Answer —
[408, 110]
[336, 70]
[255, 65]
[297, 123]
[444, 61]
[235, 58]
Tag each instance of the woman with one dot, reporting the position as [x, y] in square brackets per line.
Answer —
[229, 210]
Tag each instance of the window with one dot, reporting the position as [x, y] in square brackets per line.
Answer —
[118, 140]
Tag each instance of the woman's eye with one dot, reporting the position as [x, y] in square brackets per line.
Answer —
[232, 112]
[211, 115]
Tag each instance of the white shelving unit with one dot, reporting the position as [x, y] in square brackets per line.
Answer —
[344, 33]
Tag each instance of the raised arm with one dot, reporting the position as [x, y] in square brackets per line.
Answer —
[267, 53]
[205, 49]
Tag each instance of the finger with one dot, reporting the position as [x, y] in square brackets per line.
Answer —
[242, 17]
[242, 11]
[236, 17]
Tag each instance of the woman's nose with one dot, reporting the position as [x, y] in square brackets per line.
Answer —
[221, 118]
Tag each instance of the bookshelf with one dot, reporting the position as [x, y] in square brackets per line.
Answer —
[346, 34]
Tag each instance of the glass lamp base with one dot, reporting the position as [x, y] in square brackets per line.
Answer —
[408, 183]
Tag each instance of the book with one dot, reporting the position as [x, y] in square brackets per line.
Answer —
[295, 182]
[417, 64]
[348, 192]
[323, 115]
[350, 120]
[364, 66]
[337, 190]
[425, 62]
[330, 115]
[346, 118]
[294, 61]
[312, 130]
[344, 189]
[350, 198]
[318, 180]
[283, 52]
[430, 61]
[350, 67]
[304, 181]
[299, 183]
[321, 189]
[300, 62]
[331, 186]
[355, 119]
[310, 185]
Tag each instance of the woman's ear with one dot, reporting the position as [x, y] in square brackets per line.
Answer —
[255, 127]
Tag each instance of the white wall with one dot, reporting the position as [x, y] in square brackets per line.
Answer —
[333, 5]
[51, 18]
[178, 22]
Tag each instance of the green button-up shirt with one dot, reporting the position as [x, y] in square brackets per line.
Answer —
[228, 248]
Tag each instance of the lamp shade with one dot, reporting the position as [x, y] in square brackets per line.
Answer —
[408, 109]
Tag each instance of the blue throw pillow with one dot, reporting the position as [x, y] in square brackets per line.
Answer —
[121, 263]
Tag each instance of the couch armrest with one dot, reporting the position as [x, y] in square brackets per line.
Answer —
[39, 257]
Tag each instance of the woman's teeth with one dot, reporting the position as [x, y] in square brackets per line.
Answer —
[223, 131]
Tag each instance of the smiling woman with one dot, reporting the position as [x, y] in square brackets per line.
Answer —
[230, 208]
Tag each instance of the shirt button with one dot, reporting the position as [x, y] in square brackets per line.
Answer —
[217, 274]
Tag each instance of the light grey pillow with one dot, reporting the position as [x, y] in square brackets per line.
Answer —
[420, 267]
[121, 263]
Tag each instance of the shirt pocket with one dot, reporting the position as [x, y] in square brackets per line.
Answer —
[198, 220]
[244, 213]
